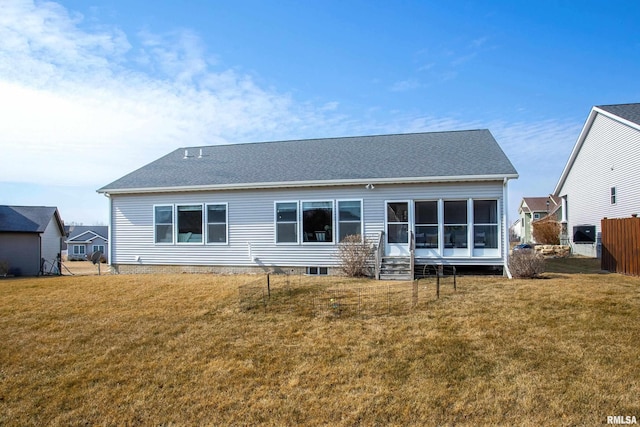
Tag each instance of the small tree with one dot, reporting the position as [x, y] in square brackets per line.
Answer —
[354, 254]
[547, 231]
[526, 264]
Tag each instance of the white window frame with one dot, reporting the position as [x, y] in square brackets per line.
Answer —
[177, 224]
[613, 195]
[226, 223]
[81, 250]
[275, 222]
[429, 251]
[337, 217]
[173, 224]
[96, 248]
[454, 252]
[333, 222]
[487, 252]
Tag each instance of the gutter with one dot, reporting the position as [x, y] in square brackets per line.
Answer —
[300, 184]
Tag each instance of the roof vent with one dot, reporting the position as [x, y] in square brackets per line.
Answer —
[200, 155]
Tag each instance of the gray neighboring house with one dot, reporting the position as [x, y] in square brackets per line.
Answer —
[82, 241]
[29, 235]
[601, 178]
[421, 198]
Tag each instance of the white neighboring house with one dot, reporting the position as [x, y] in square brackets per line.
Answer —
[602, 176]
[284, 206]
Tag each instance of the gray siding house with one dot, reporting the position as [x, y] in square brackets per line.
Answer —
[83, 241]
[601, 179]
[30, 239]
[437, 198]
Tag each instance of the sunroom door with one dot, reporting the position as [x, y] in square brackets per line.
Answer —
[397, 219]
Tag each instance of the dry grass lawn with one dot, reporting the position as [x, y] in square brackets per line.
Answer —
[176, 350]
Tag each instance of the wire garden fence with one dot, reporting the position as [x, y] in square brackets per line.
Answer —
[304, 296]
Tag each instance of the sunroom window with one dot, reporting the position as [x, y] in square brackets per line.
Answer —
[189, 223]
[349, 218]
[317, 221]
[485, 224]
[163, 223]
[426, 224]
[286, 222]
[217, 223]
[455, 224]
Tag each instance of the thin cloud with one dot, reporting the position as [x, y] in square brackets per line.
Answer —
[86, 105]
[406, 85]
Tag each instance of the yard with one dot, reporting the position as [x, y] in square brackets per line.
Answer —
[177, 350]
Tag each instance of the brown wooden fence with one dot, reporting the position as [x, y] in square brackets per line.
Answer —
[621, 245]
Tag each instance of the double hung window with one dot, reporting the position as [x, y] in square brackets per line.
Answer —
[217, 223]
[349, 218]
[286, 222]
[78, 249]
[613, 195]
[163, 220]
[98, 248]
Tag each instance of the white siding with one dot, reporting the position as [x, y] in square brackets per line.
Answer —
[251, 223]
[609, 157]
[51, 241]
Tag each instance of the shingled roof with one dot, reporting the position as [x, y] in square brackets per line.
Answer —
[415, 157]
[27, 219]
[630, 112]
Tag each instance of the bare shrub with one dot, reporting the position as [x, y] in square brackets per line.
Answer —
[547, 231]
[354, 254]
[526, 264]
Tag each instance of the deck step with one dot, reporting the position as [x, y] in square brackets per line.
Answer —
[395, 268]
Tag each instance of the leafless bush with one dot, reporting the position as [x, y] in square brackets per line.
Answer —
[526, 264]
[354, 253]
[547, 231]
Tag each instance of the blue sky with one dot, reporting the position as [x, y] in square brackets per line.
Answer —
[91, 90]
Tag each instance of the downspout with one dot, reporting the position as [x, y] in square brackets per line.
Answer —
[40, 271]
[110, 232]
[505, 235]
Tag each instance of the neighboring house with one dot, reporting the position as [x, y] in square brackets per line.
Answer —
[285, 205]
[601, 178]
[533, 209]
[29, 235]
[82, 241]
[515, 231]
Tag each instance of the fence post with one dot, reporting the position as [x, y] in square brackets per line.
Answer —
[438, 284]
[268, 285]
[454, 279]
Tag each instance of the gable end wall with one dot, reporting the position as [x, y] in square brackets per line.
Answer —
[609, 157]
